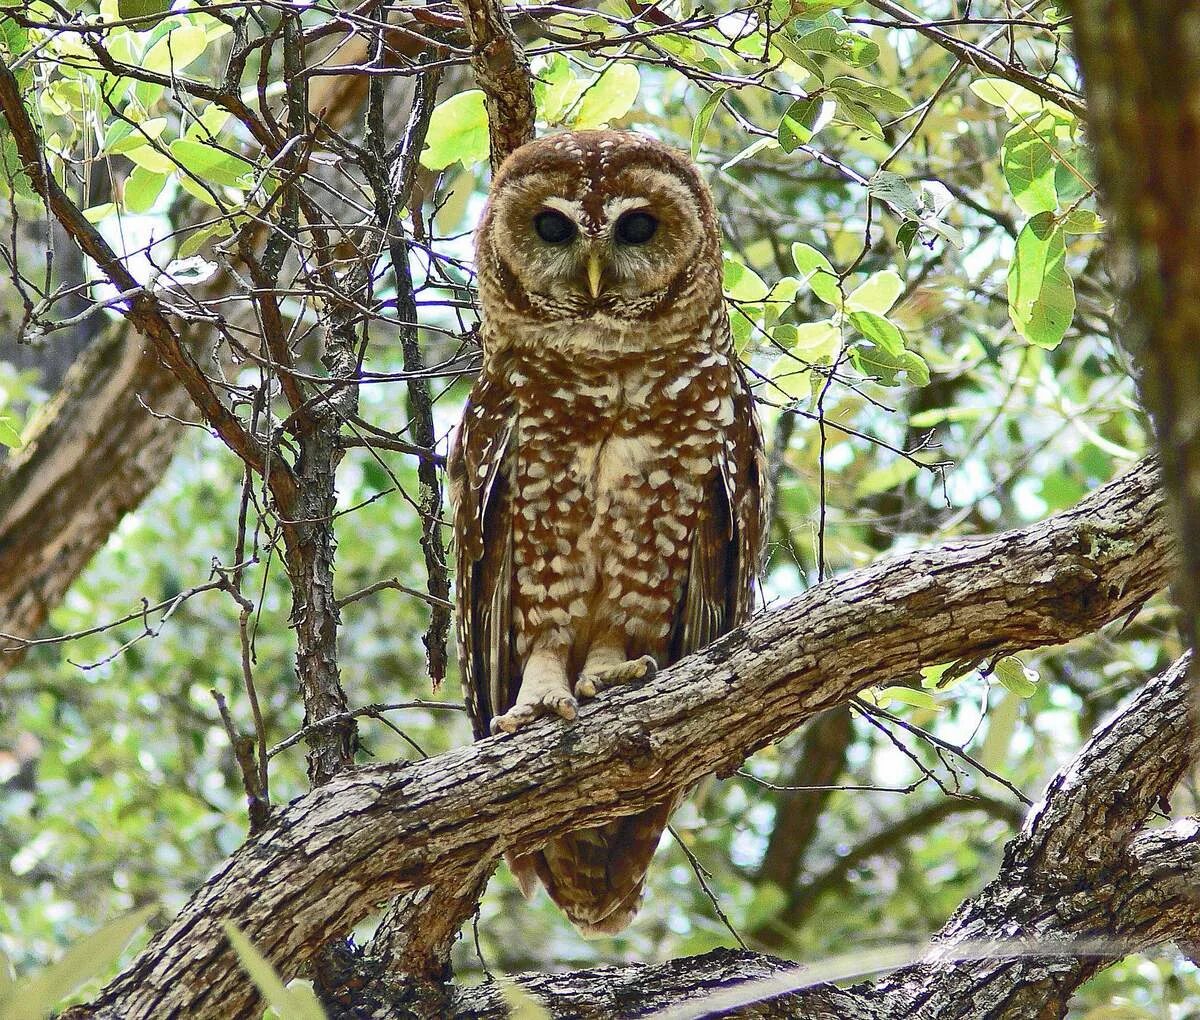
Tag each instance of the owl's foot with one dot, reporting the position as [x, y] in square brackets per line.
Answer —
[591, 684]
[554, 702]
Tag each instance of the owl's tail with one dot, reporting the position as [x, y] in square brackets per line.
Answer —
[597, 876]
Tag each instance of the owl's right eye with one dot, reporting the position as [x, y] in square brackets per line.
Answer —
[553, 227]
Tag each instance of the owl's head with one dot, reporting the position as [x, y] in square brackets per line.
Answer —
[610, 226]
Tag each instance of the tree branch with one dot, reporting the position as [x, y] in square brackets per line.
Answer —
[980, 58]
[502, 71]
[1005, 953]
[378, 831]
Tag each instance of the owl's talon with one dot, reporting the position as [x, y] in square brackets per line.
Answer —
[591, 684]
[523, 713]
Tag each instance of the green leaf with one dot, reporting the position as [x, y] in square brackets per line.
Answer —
[556, 88]
[741, 283]
[458, 130]
[780, 298]
[878, 363]
[817, 271]
[1016, 101]
[867, 94]
[176, 50]
[11, 438]
[906, 235]
[892, 188]
[812, 8]
[142, 188]
[295, 1003]
[796, 55]
[212, 165]
[197, 239]
[860, 117]
[877, 294]
[886, 478]
[1028, 163]
[609, 97]
[13, 37]
[814, 342]
[124, 137]
[1082, 221]
[907, 696]
[882, 333]
[142, 8]
[796, 128]
[96, 213]
[36, 997]
[1041, 297]
[704, 118]
[1015, 676]
[849, 47]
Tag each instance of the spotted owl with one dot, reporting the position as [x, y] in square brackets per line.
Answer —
[608, 475]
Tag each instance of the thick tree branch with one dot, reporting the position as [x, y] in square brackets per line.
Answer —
[502, 71]
[330, 856]
[1140, 896]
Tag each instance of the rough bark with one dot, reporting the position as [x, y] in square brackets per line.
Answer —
[1141, 64]
[332, 855]
[501, 70]
[1082, 871]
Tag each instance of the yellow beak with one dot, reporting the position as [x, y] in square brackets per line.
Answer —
[594, 271]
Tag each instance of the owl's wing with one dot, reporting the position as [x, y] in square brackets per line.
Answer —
[481, 469]
[727, 547]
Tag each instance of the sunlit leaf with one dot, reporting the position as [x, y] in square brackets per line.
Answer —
[11, 438]
[817, 271]
[877, 294]
[704, 118]
[142, 188]
[1015, 676]
[1082, 221]
[741, 283]
[609, 97]
[210, 164]
[797, 125]
[1041, 297]
[1028, 163]
[458, 131]
[176, 50]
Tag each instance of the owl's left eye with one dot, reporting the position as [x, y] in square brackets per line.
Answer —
[553, 227]
[636, 227]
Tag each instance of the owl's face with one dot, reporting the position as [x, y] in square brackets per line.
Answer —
[599, 225]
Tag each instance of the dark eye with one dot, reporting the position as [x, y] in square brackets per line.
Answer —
[636, 228]
[553, 227]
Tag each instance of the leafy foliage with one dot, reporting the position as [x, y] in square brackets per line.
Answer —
[914, 283]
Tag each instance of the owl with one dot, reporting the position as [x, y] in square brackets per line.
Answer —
[607, 476]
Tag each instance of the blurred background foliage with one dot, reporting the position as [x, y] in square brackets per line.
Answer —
[919, 284]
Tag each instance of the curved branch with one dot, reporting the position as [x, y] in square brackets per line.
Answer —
[330, 856]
